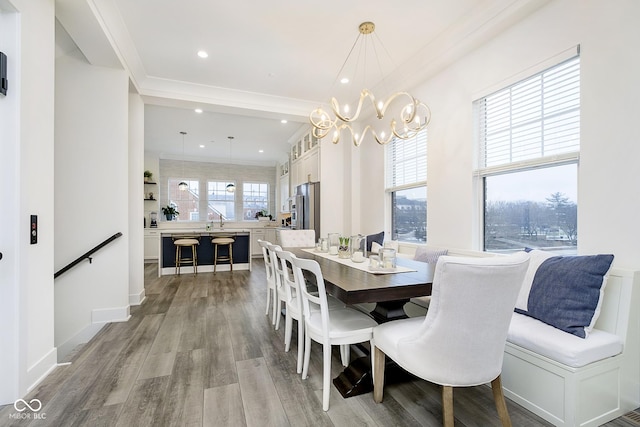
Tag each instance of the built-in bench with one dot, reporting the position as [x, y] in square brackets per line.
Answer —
[568, 380]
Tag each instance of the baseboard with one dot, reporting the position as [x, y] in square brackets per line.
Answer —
[114, 314]
[81, 337]
[99, 318]
[43, 367]
[136, 299]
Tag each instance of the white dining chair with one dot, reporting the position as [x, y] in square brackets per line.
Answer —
[271, 279]
[293, 305]
[297, 238]
[341, 326]
[461, 340]
[280, 292]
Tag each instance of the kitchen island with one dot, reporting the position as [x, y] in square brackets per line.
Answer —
[241, 250]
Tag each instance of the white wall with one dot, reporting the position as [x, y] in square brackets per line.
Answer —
[136, 204]
[608, 197]
[92, 197]
[336, 209]
[27, 140]
[9, 143]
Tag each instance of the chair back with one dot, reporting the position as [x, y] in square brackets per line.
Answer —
[267, 259]
[309, 300]
[277, 266]
[461, 341]
[297, 238]
[289, 279]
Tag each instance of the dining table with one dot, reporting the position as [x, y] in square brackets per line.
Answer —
[358, 283]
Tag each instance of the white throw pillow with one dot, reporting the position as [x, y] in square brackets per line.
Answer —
[536, 257]
[375, 247]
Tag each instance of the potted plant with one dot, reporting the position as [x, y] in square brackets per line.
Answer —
[170, 212]
[147, 176]
[263, 215]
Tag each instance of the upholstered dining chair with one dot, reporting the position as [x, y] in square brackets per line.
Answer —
[297, 238]
[461, 340]
[271, 279]
[341, 326]
[280, 295]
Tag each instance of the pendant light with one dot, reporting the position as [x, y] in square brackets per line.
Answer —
[183, 186]
[231, 186]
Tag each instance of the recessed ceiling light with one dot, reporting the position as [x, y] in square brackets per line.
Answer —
[202, 54]
[198, 110]
[344, 80]
[283, 121]
[260, 151]
[201, 145]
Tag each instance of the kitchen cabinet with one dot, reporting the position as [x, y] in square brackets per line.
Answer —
[151, 244]
[284, 193]
[268, 234]
[256, 249]
[305, 161]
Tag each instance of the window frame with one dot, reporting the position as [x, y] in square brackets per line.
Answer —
[483, 171]
[173, 182]
[397, 181]
[245, 194]
[223, 184]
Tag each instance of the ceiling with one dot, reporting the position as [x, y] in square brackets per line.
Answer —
[267, 62]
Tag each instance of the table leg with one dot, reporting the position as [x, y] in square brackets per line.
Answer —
[389, 310]
[356, 378]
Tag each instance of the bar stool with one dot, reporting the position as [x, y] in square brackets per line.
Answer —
[181, 242]
[217, 241]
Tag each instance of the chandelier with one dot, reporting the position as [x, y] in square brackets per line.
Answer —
[401, 115]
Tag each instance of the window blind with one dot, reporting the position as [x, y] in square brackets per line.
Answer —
[534, 118]
[407, 161]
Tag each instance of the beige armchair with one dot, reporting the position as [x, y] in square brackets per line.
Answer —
[461, 340]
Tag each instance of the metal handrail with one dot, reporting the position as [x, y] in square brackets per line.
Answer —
[87, 255]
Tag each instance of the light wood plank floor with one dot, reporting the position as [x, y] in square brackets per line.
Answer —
[201, 352]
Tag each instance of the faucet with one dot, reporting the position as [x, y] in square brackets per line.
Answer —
[221, 221]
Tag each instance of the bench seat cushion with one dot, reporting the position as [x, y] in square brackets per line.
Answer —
[560, 346]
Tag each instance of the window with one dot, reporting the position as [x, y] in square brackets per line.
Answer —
[220, 202]
[529, 138]
[185, 201]
[255, 198]
[406, 183]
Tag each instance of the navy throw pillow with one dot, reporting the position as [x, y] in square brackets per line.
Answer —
[378, 238]
[566, 292]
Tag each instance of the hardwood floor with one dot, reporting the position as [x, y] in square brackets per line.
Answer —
[201, 352]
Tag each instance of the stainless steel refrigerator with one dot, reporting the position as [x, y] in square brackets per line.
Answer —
[307, 207]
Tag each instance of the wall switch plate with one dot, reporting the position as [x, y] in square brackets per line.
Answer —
[34, 229]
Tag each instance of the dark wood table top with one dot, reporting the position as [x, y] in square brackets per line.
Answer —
[354, 286]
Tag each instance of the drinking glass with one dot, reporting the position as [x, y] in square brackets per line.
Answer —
[388, 258]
